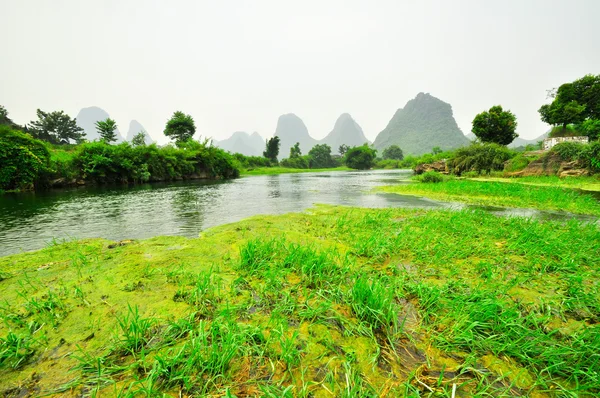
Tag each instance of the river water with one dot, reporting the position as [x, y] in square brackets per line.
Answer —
[30, 221]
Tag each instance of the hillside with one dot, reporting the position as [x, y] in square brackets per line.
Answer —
[87, 118]
[345, 131]
[244, 143]
[291, 129]
[425, 122]
[135, 127]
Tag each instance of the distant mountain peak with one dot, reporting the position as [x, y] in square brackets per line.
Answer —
[345, 131]
[425, 122]
[136, 127]
[87, 118]
[242, 142]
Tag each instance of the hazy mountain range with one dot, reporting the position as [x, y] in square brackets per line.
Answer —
[87, 118]
[518, 142]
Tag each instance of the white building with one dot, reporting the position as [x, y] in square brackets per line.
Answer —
[550, 142]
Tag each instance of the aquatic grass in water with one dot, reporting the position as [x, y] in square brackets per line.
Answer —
[503, 194]
[496, 306]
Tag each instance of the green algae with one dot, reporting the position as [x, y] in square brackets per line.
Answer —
[270, 304]
[508, 193]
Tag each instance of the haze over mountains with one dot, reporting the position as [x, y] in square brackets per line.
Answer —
[425, 122]
[87, 118]
[244, 143]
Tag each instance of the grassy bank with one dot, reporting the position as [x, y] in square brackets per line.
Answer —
[284, 170]
[591, 183]
[339, 302]
[509, 193]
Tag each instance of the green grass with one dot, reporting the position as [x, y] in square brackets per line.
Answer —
[591, 183]
[286, 170]
[494, 193]
[335, 302]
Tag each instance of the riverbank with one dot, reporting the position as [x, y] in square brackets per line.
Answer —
[532, 193]
[331, 302]
[586, 183]
[286, 170]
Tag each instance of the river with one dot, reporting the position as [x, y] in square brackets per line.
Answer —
[30, 221]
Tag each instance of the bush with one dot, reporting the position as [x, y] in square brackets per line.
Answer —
[568, 151]
[517, 163]
[301, 162]
[590, 156]
[430, 177]
[23, 159]
[480, 158]
[387, 164]
[360, 157]
[249, 162]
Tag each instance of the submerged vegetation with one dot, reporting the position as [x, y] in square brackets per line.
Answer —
[339, 302]
[506, 193]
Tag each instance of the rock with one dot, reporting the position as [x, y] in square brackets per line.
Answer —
[440, 166]
[425, 122]
[551, 164]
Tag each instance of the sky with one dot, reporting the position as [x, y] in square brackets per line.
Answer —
[239, 65]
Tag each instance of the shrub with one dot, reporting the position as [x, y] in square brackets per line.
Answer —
[430, 177]
[480, 158]
[568, 151]
[590, 156]
[301, 162]
[360, 157]
[23, 159]
[517, 163]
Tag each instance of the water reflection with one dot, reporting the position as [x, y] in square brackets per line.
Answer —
[28, 221]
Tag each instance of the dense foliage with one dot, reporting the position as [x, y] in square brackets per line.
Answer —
[320, 157]
[360, 157]
[573, 103]
[480, 158]
[23, 160]
[587, 154]
[272, 149]
[495, 126]
[56, 128]
[107, 129]
[180, 127]
[393, 152]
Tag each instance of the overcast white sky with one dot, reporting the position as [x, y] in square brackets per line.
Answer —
[238, 65]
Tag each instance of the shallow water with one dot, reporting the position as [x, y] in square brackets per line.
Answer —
[30, 221]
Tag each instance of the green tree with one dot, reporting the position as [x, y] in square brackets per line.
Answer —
[107, 130]
[139, 139]
[22, 158]
[56, 127]
[393, 152]
[573, 103]
[343, 149]
[436, 150]
[320, 156]
[272, 149]
[496, 125]
[360, 157]
[295, 151]
[591, 128]
[180, 127]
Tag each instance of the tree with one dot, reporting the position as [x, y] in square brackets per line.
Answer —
[320, 156]
[56, 127]
[393, 152]
[360, 157]
[496, 125]
[139, 139]
[343, 149]
[107, 130]
[272, 149]
[573, 103]
[436, 150]
[295, 151]
[180, 127]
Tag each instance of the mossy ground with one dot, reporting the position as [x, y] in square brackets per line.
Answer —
[507, 193]
[335, 302]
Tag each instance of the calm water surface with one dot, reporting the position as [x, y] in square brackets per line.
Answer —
[29, 221]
